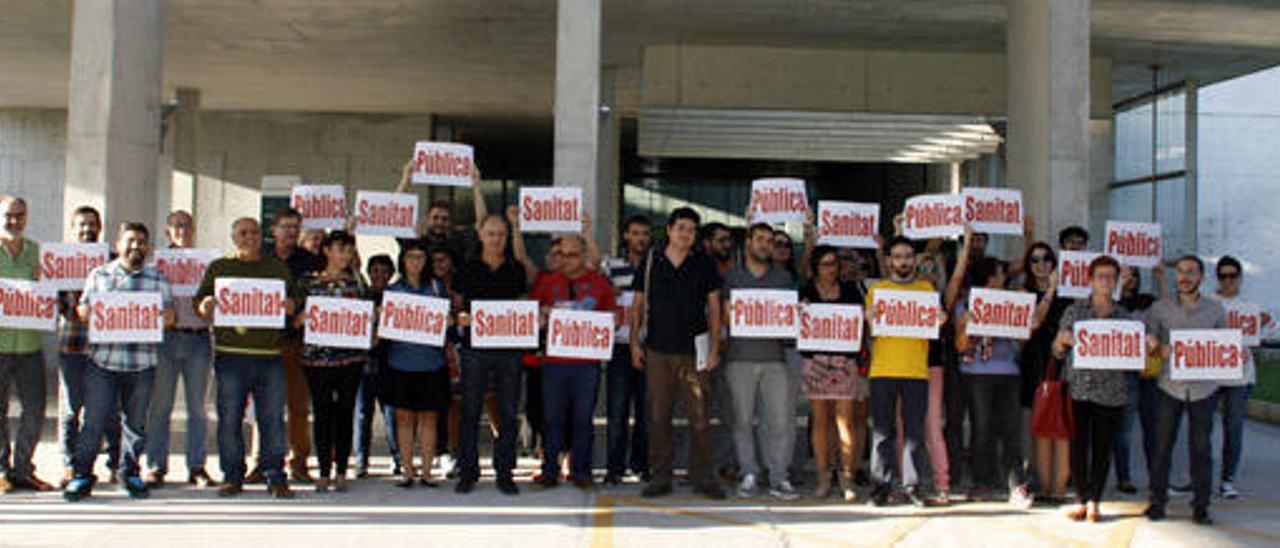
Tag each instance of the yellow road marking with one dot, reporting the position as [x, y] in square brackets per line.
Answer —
[602, 523]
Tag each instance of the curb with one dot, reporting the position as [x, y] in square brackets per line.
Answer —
[1264, 411]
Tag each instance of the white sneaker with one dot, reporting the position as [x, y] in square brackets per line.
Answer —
[784, 491]
[446, 463]
[1228, 491]
[747, 487]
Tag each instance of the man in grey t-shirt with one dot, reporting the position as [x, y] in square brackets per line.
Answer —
[755, 369]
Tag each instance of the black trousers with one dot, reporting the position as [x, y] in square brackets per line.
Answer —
[1091, 447]
[1169, 411]
[333, 404]
[997, 424]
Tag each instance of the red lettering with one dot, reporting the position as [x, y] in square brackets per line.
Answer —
[555, 208]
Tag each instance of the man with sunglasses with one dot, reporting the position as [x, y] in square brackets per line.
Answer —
[1234, 394]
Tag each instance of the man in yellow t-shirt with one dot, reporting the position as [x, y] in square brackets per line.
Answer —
[899, 374]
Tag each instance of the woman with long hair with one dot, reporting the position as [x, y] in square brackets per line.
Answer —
[1052, 456]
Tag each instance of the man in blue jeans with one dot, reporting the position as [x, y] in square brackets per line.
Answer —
[625, 385]
[1189, 310]
[121, 375]
[247, 363]
[185, 353]
[1234, 394]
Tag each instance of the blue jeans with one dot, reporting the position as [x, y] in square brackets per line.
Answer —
[1169, 412]
[886, 394]
[25, 370]
[1120, 444]
[71, 372]
[366, 398]
[239, 378]
[187, 354]
[480, 370]
[1235, 399]
[113, 397]
[568, 400]
[625, 398]
[1147, 416]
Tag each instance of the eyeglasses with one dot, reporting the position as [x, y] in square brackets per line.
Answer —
[1040, 259]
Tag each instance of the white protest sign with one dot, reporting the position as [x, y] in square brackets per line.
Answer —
[447, 164]
[933, 216]
[848, 224]
[65, 266]
[762, 313]
[580, 334]
[625, 300]
[184, 268]
[386, 214]
[1247, 317]
[321, 206]
[27, 304]
[908, 314]
[504, 324]
[994, 210]
[1206, 355]
[338, 323]
[1109, 344]
[550, 209]
[413, 318]
[778, 200]
[1003, 314]
[126, 317]
[828, 327]
[1073, 273]
[249, 302]
[1134, 244]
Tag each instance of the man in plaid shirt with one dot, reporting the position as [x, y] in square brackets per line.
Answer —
[123, 372]
[73, 354]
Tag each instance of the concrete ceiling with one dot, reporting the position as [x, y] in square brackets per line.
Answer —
[494, 59]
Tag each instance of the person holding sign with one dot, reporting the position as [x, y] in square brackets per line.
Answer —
[756, 369]
[1235, 394]
[1197, 399]
[121, 373]
[676, 316]
[1098, 395]
[434, 228]
[333, 374]
[21, 358]
[415, 381]
[900, 377]
[569, 385]
[247, 360]
[837, 390]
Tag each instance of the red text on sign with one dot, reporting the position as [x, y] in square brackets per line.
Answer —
[413, 318]
[1111, 344]
[847, 224]
[254, 302]
[580, 334]
[1206, 355]
[125, 317]
[554, 208]
[75, 266]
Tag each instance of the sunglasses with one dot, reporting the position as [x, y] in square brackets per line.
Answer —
[1040, 259]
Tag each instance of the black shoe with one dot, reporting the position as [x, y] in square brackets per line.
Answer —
[913, 496]
[1154, 512]
[507, 486]
[547, 481]
[711, 491]
[405, 482]
[880, 496]
[200, 478]
[654, 490]
[78, 489]
[1126, 487]
[1201, 516]
[612, 479]
[860, 478]
[136, 487]
[584, 483]
[464, 486]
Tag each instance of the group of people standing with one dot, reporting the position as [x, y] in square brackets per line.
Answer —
[912, 397]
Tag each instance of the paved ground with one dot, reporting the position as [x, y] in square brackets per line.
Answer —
[375, 512]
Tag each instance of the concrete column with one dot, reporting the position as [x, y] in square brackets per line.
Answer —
[609, 207]
[1191, 195]
[1047, 82]
[577, 104]
[113, 110]
[182, 149]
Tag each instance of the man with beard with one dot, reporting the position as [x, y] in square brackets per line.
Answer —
[1188, 310]
[624, 385]
[120, 373]
[717, 243]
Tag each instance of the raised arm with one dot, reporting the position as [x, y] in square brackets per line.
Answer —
[405, 173]
[1028, 240]
[477, 197]
[810, 241]
[962, 266]
[518, 249]
[594, 258]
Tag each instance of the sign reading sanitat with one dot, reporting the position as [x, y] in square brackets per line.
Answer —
[413, 318]
[909, 314]
[504, 324]
[1003, 314]
[386, 214]
[184, 268]
[762, 313]
[321, 206]
[848, 224]
[249, 302]
[828, 327]
[994, 210]
[1206, 355]
[551, 209]
[580, 334]
[933, 216]
[65, 266]
[778, 200]
[1109, 344]
[126, 317]
[1134, 244]
[26, 304]
[446, 164]
[338, 323]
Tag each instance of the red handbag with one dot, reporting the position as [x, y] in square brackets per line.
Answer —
[1051, 415]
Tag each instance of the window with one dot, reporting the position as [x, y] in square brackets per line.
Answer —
[1150, 167]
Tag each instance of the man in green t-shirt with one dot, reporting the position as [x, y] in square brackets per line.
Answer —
[21, 359]
[247, 364]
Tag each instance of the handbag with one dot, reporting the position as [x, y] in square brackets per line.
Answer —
[1051, 415]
